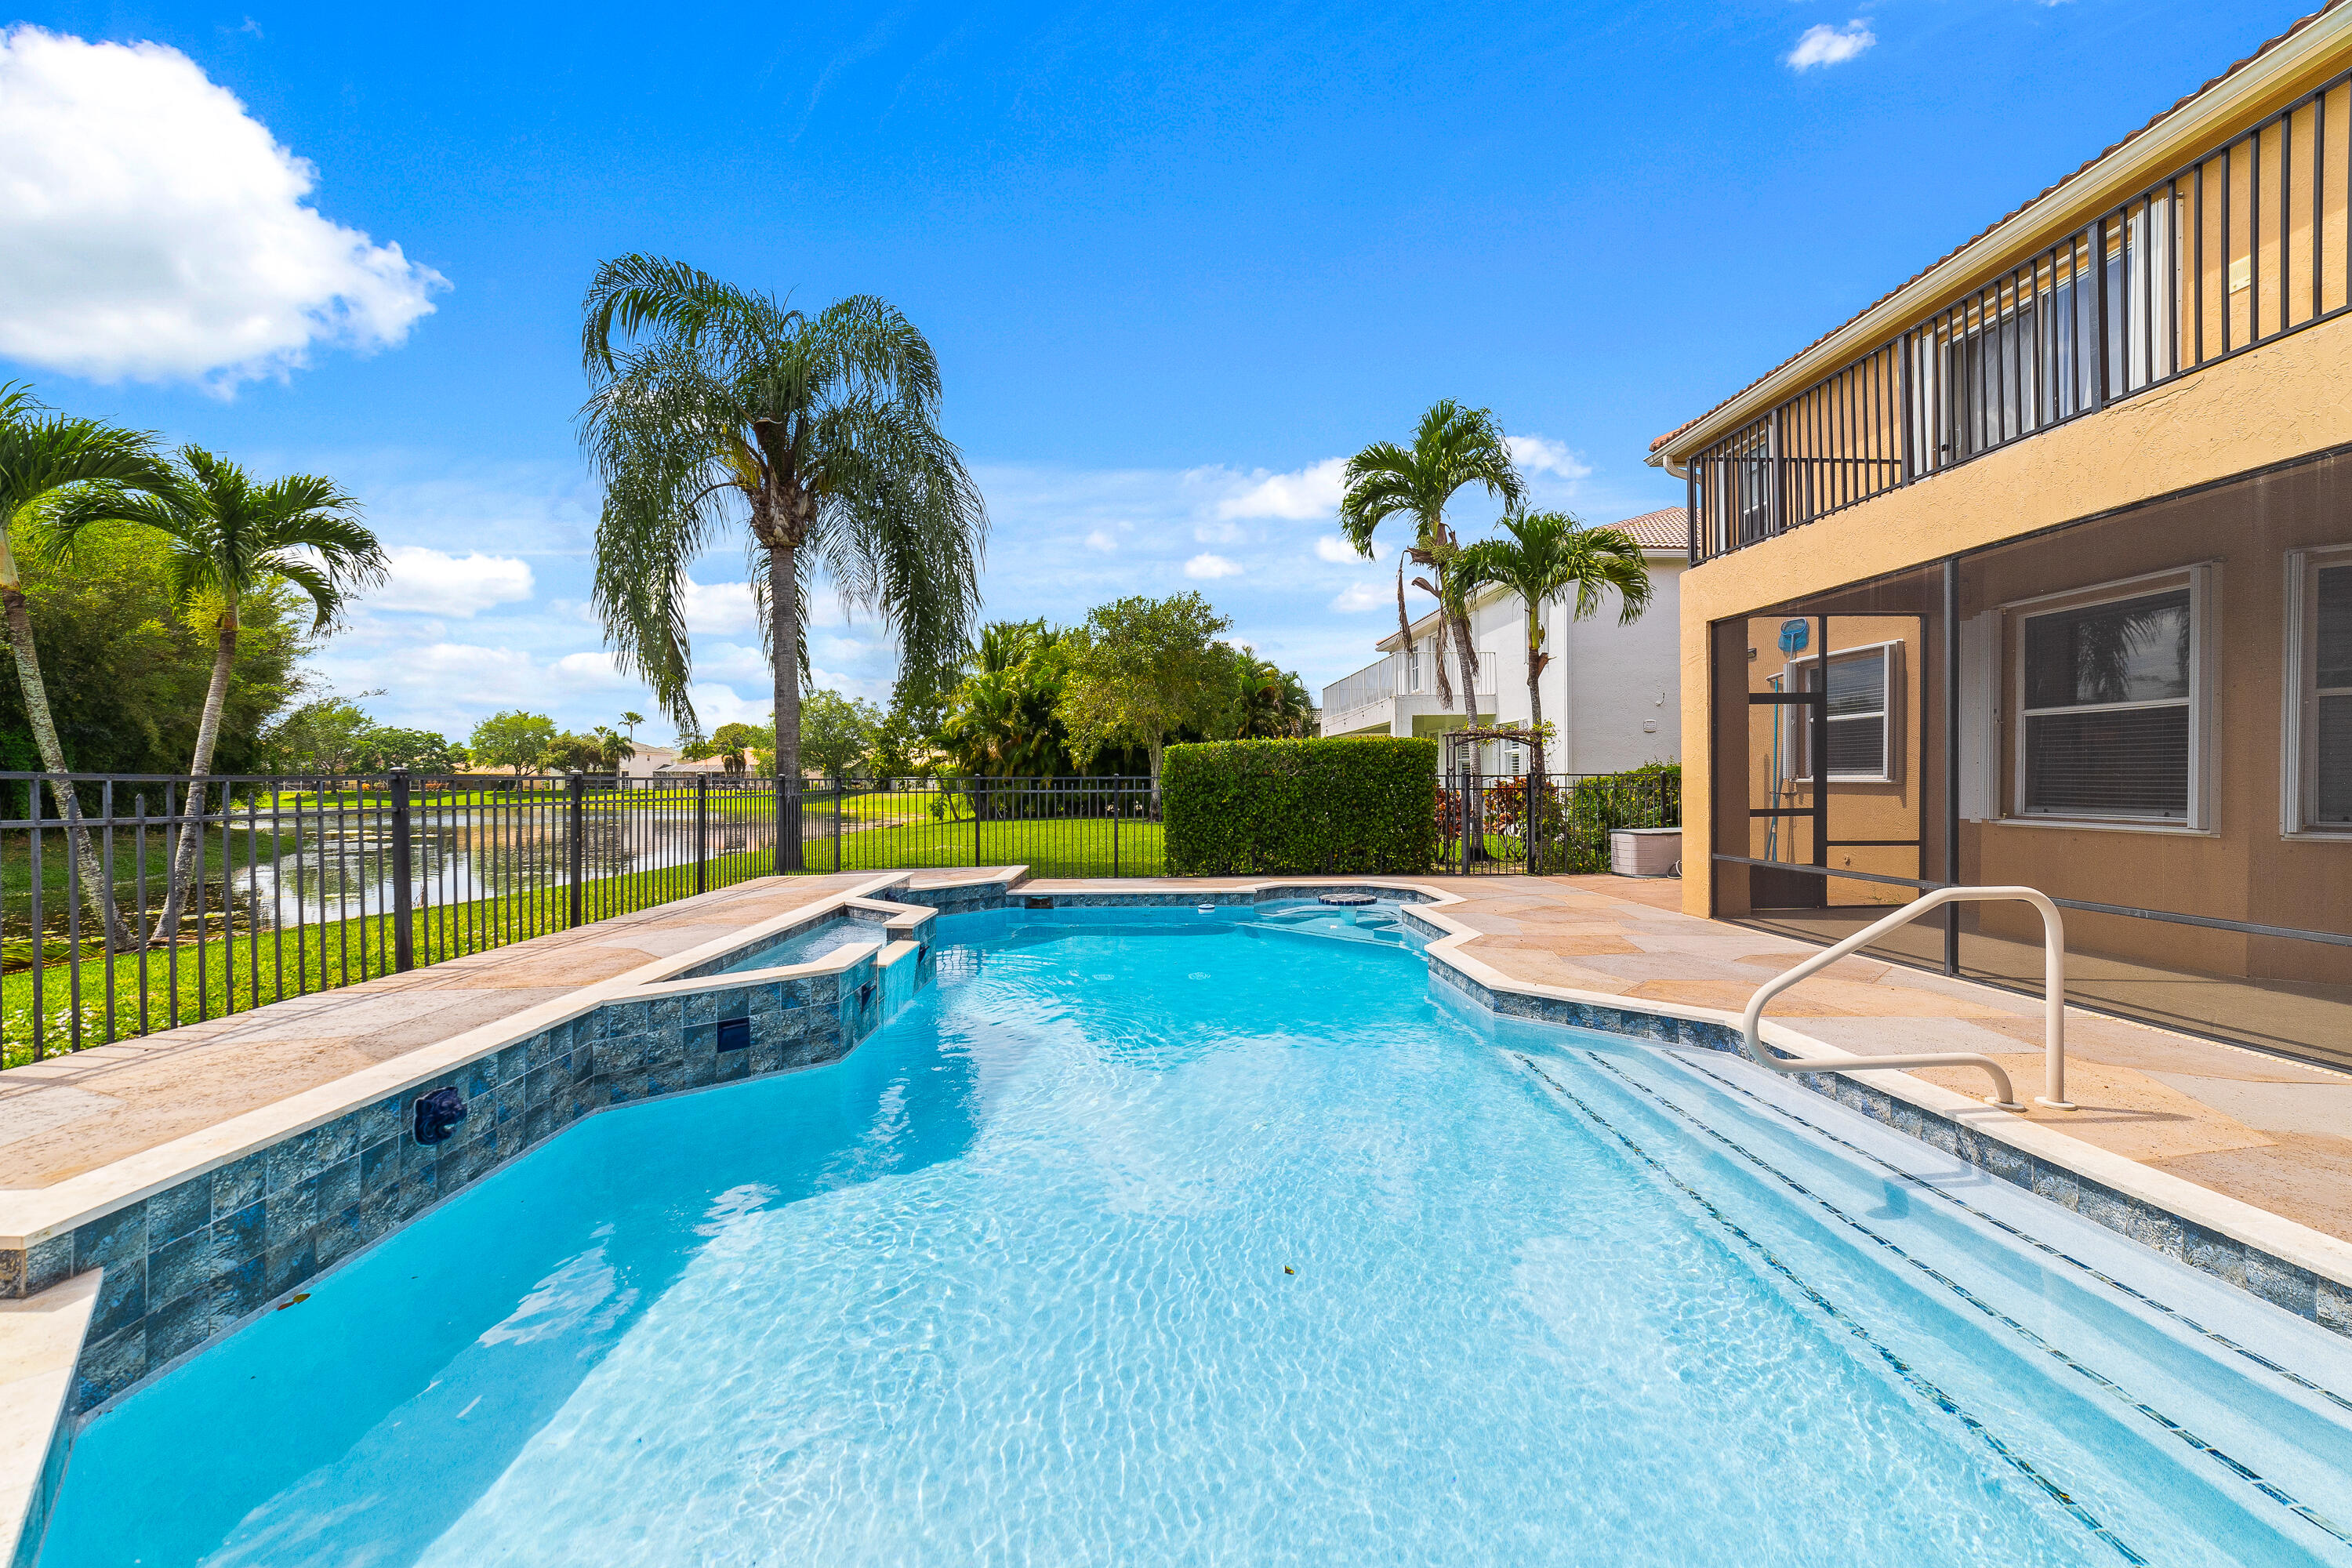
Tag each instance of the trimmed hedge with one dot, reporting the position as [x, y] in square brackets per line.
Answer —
[1300, 808]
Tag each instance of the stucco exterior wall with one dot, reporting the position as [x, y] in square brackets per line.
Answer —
[2269, 405]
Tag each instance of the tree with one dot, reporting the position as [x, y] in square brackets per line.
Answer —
[630, 722]
[821, 431]
[225, 538]
[1453, 447]
[1543, 556]
[514, 740]
[570, 752]
[381, 748]
[1143, 668]
[836, 732]
[612, 748]
[53, 466]
[328, 734]
[1269, 703]
[1004, 720]
[732, 745]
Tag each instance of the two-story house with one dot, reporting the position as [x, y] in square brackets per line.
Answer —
[1611, 693]
[2038, 570]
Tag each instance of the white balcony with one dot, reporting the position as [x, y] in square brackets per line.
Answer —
[1374, 694]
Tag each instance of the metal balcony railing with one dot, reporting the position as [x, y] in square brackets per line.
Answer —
[2232, 251]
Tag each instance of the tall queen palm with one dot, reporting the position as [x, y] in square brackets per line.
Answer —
[1544, 556]
[224, 537]
[1454, 448]
[55, 467]
[713, 404]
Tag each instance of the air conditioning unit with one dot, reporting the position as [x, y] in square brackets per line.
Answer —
[1645, 851]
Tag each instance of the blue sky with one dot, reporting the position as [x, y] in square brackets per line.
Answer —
[1176, 260]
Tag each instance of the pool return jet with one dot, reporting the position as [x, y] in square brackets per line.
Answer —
[2053, 992]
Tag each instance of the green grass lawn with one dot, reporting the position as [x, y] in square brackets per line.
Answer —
[238, 973]
[1053, 847]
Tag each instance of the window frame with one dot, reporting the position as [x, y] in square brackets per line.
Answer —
[2199, 580]
[1890, 674]
[2299, 724]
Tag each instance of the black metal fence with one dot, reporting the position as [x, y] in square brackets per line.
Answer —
[288, 886]
[1548, 824]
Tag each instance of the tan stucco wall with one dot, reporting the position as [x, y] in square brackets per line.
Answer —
[2273, 404]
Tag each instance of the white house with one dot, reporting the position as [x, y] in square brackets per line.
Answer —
[1611, 693]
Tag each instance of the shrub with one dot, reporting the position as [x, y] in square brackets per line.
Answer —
[1287, 807]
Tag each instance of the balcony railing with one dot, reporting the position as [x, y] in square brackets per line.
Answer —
[2231, 251]
[1400, 676]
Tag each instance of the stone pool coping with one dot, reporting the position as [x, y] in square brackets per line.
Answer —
[42, 1335]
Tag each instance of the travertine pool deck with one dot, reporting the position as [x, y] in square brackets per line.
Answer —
[2265, 1131]
[73, 1113]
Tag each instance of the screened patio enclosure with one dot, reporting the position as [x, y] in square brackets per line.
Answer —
[2146, 715]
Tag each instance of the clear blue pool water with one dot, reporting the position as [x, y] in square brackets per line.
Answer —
[808, 945]
[1168, 1240]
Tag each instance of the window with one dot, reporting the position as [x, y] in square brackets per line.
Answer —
[2320, 650]
[2108, 715]
[1860, 679]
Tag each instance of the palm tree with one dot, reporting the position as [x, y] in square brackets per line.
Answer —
[613, 750]
[630, 722]
[1544, 556]
[225, 537]
[54, 466]
[1454, 448]
[822, 430]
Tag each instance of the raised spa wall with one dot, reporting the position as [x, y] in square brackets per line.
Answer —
[188, 1264]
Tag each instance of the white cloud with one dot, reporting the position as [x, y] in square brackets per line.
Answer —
[1357, 597]
[715, 705]
[1339, 552]
[1312, 491]
[1824, 45]
[1210, 567]
[152, 229]
[434, 582]
[593, 670]
[1538, 455]
[1219, 533]
[719, 607]
[1099, 540]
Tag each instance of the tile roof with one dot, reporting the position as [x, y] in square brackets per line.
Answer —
[1668, 528]
[2019, 211]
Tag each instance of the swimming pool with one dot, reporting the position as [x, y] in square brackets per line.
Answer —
[1158, 1237]
[806, 944]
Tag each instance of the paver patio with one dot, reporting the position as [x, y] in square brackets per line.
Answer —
[2266, 1130]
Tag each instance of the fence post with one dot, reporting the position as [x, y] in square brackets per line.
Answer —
[1115, 811]
[975, 822]
[403, 914]
[701, 829]
[839, 797]
[576, 813]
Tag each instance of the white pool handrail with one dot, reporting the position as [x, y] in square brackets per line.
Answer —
[2053, 1014]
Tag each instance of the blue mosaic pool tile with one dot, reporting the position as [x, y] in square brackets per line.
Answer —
[239, 1182]
[109, 1365]
[2332, 1306]
[2216, 1255]
[513, 1061]
[337, 1236]
[2057, 1184]
[284, 1267]
[338, 1187]
[179, 1210]
[122, 1295]
[2283, 1284]
[288, 1215]
[112, 1240]
[180, 1325]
